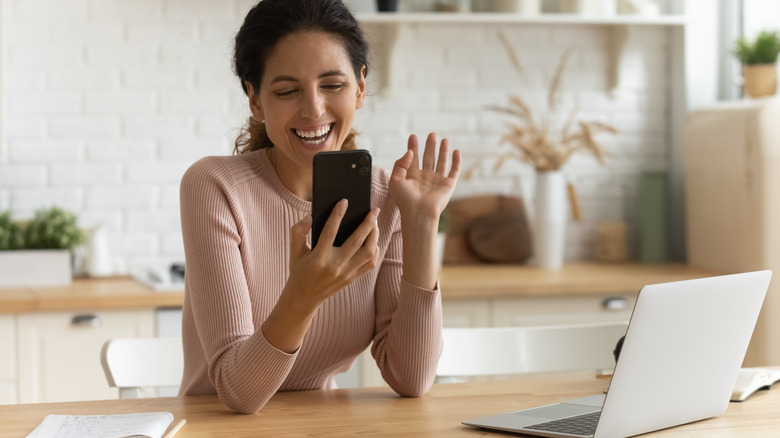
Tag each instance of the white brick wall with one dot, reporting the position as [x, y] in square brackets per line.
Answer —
[107, 102]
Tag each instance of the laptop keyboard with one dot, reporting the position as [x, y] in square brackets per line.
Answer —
[579, 425]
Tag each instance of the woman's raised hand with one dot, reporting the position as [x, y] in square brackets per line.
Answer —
[423, 192]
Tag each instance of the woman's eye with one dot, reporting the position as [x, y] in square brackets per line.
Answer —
[333, 87]
[285, 93]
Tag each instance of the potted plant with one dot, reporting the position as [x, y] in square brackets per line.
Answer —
[38, 252]
[546, 140]
[759, 63]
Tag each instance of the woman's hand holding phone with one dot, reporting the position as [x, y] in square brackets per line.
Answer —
[318, 273]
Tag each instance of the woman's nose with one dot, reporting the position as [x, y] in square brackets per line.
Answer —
[313, 106]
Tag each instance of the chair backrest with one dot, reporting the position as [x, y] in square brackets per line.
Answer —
[493, 351]
[133, 363]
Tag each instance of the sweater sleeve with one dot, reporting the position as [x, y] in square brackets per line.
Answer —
[408, 339]
[243, 367]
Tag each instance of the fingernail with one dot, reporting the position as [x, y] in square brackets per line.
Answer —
[375, 211]
[343, 202]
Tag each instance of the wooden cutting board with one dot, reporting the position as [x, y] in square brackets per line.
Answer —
[487, 228]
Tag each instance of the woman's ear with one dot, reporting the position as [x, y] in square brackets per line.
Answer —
[361, 93]
[254, 103]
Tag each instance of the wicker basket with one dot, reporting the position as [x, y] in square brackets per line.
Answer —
[760, 79]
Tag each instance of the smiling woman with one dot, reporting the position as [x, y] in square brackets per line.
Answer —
[266, 312]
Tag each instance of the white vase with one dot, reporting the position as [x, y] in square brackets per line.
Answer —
[549, 228]
[98, 253]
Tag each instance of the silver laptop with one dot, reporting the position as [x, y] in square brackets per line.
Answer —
[679, 362]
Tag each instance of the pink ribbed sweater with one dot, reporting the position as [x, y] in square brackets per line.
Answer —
[236, 216]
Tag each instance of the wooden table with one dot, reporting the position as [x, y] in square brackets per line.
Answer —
[378, 412]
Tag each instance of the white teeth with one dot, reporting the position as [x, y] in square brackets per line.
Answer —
[312, 134]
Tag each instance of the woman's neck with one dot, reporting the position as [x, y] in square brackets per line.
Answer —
[297, 179]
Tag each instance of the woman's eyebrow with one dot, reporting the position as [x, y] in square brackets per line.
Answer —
[332, 73]
[327, 74]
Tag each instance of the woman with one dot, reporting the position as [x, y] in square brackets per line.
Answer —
[264, 312]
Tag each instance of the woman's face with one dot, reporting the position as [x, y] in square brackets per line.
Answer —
[308, 95]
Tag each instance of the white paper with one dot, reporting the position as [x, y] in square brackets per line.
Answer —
[147, 424]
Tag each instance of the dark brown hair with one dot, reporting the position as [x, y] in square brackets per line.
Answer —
[271, 20]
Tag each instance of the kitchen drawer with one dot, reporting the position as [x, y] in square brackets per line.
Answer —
[562, 310]
[8, 394]
[466, 313]
[59, 352]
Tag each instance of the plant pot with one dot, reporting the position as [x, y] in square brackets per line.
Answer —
[760, 80]
[387, 5]
[41, 267]
[549, 228]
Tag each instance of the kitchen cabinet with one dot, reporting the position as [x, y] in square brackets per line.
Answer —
[50, 359]
[8, 375]
[520, 311]
[61, 352]
[51, 337]
[513, 295]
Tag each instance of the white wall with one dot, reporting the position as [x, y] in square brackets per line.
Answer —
[106, 103]
[760, 15]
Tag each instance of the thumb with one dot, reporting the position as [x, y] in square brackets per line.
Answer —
[298, 234]
[402, 165]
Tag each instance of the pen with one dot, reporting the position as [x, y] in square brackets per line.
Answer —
[175, 429]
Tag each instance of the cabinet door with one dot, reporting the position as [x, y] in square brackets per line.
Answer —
[466, 313]
[562, 310]
[59, 353]
[7, 359]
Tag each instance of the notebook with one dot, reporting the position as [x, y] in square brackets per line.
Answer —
[137, 425]
[683, 349]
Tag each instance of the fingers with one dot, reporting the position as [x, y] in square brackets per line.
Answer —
[456, 161]
[409, 161]
[369, 252]
[429, 155]
[412, 146]
[354, 242]
[331, 228]
[441, 164]
[402, 165]
[298, 234]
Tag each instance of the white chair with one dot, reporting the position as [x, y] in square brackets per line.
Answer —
[132, 364]
[499, 351]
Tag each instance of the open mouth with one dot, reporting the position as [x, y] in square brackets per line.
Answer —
[314, 137]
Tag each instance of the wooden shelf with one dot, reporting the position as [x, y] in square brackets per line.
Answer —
[507, 18]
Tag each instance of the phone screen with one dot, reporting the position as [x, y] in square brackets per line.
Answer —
[338, 175]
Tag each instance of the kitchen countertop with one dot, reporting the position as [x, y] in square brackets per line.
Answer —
[583, 278]
[457, 281]
[112, 293]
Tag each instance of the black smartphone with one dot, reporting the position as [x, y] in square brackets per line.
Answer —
[339, 175]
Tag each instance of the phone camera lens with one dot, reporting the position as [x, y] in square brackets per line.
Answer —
[363, 160]
[363, 171]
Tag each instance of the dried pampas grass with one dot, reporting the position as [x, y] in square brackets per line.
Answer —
[542, 141]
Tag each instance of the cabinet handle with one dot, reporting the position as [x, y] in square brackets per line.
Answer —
[86, 321]
[614, 303]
